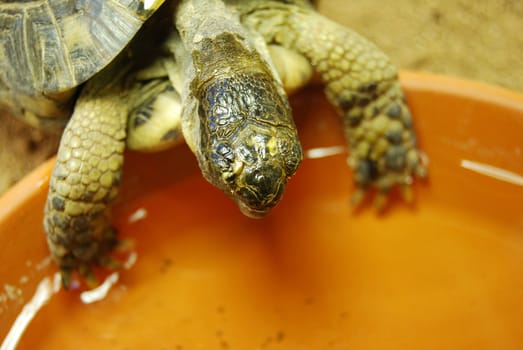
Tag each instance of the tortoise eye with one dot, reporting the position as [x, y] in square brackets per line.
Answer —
[292, 153]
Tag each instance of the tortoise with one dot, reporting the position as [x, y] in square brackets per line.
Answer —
[145, 74]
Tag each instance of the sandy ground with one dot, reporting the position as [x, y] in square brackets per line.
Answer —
[476, 40]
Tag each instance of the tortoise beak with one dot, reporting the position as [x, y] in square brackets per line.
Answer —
[252, 212]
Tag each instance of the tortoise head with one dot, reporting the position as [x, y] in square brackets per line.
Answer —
[249, 143]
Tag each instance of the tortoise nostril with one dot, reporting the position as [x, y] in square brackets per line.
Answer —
[266, 180]
[263, 188]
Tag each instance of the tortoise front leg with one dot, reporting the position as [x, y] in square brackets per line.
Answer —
[88, 169]
[85, 181]
[362, 83]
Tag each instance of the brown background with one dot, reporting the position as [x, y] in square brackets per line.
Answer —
[481, 40]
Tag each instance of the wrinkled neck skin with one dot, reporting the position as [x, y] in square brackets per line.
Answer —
[237, 119]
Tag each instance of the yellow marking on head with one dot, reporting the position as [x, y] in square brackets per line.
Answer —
[151, 4]
[272, 146]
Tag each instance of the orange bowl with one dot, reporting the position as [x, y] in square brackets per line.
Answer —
[443, 273]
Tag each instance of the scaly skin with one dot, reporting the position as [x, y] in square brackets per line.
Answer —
[360, 81]
[85, 181]
[237, 121]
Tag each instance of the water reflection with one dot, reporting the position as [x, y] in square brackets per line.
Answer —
[44, 291]
[493, 172]
[323, 152]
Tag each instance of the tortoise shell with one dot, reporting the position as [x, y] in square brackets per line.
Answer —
[48, 46]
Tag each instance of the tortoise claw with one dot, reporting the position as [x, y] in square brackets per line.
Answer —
[383, 187]
[357, 197]
[88, 276]
[66, 278]
[85, 272]
[124, 245]
[406, 193]
[381, 200]
[108, 262]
